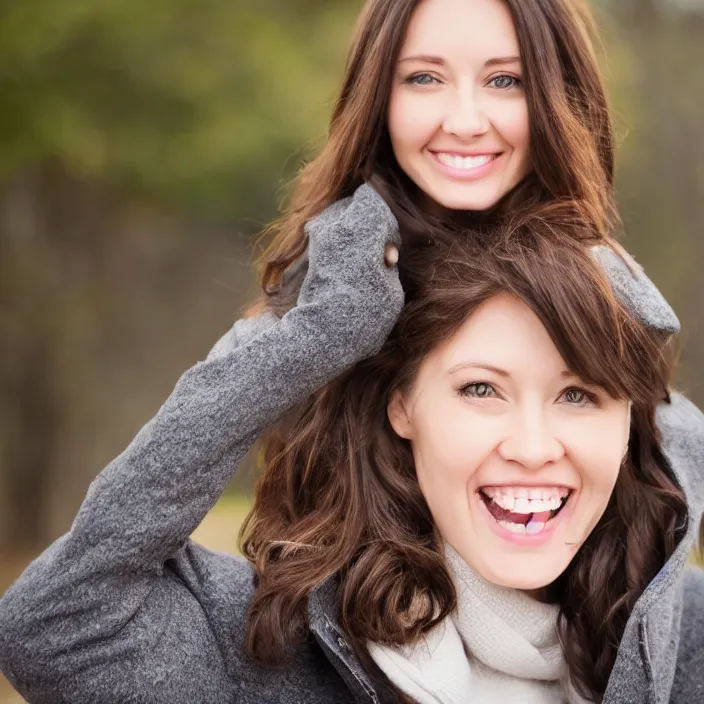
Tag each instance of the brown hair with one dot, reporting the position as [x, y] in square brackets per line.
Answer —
[571, 139]
[339, 495]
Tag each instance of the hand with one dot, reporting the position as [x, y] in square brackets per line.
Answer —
[390, 255]
[360, 227]
[353, 249]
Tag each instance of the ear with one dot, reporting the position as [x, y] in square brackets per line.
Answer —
[400, 419]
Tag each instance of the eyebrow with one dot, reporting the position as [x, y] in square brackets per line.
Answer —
[496, 370]
[429, 59]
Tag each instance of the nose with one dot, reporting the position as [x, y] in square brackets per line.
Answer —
[531, 442]
[465, 116]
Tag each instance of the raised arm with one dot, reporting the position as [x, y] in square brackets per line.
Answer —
[97, 601]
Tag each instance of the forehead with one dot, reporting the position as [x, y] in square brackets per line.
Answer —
[503, 332]
[457, 27]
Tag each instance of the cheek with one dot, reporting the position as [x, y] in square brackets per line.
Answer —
[511, 122]
[447, 452]
[411, 122]
[598, 450]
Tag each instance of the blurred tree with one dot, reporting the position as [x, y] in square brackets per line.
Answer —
[658, 85]
[193, 104]
[193, 101]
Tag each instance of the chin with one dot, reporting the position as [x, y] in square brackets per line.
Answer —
[470, 205]
[459, 201]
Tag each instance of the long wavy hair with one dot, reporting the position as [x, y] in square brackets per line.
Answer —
[570, 133]
[339, 495]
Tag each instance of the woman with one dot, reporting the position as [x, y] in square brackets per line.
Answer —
[89, 621]
[460, 113]
[404, 530]
[348, 545]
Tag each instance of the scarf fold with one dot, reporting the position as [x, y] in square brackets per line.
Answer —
[500, 645]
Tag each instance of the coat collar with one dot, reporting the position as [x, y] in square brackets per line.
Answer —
[647, 657]
[323, 621]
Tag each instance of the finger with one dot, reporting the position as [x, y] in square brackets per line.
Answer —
[391, 255]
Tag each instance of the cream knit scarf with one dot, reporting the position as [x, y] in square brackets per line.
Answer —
[500, 645]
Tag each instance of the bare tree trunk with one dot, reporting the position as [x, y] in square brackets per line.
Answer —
[28, 403]
[31, 448]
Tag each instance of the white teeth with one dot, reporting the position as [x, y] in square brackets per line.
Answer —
[507, 502]
[524, 506]
[514, 527]
[532, 528]
[527, 500]
[464, 162]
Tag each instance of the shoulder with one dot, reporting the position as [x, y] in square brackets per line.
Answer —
[224, 585]
[219, 589]
[689, 676]
[214, 567]
[681, 426]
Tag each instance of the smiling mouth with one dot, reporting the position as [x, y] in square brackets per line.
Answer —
[465, 163]
[526, 517]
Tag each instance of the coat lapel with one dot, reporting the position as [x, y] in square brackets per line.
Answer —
[323, 621]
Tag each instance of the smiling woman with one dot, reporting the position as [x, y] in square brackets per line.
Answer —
[516, 455]
[458, 114]
[500, 449]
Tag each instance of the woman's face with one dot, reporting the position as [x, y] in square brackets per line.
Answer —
[515, 456]
[458, 117]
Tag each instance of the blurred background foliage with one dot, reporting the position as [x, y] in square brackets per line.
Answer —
[201, 103]
[143, 145]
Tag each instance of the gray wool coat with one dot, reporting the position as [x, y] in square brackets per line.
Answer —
[125, 608]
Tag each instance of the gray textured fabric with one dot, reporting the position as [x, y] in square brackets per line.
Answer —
[125, 608]
[639, 295]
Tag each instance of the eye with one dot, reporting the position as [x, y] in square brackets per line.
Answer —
[505, 82]
[478, 389]
[578, 397]
[421, 79]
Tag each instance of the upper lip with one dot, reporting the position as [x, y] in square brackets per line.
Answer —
[527, 485]
[465, 152]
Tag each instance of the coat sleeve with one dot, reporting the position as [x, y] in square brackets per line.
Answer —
[97, 617]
